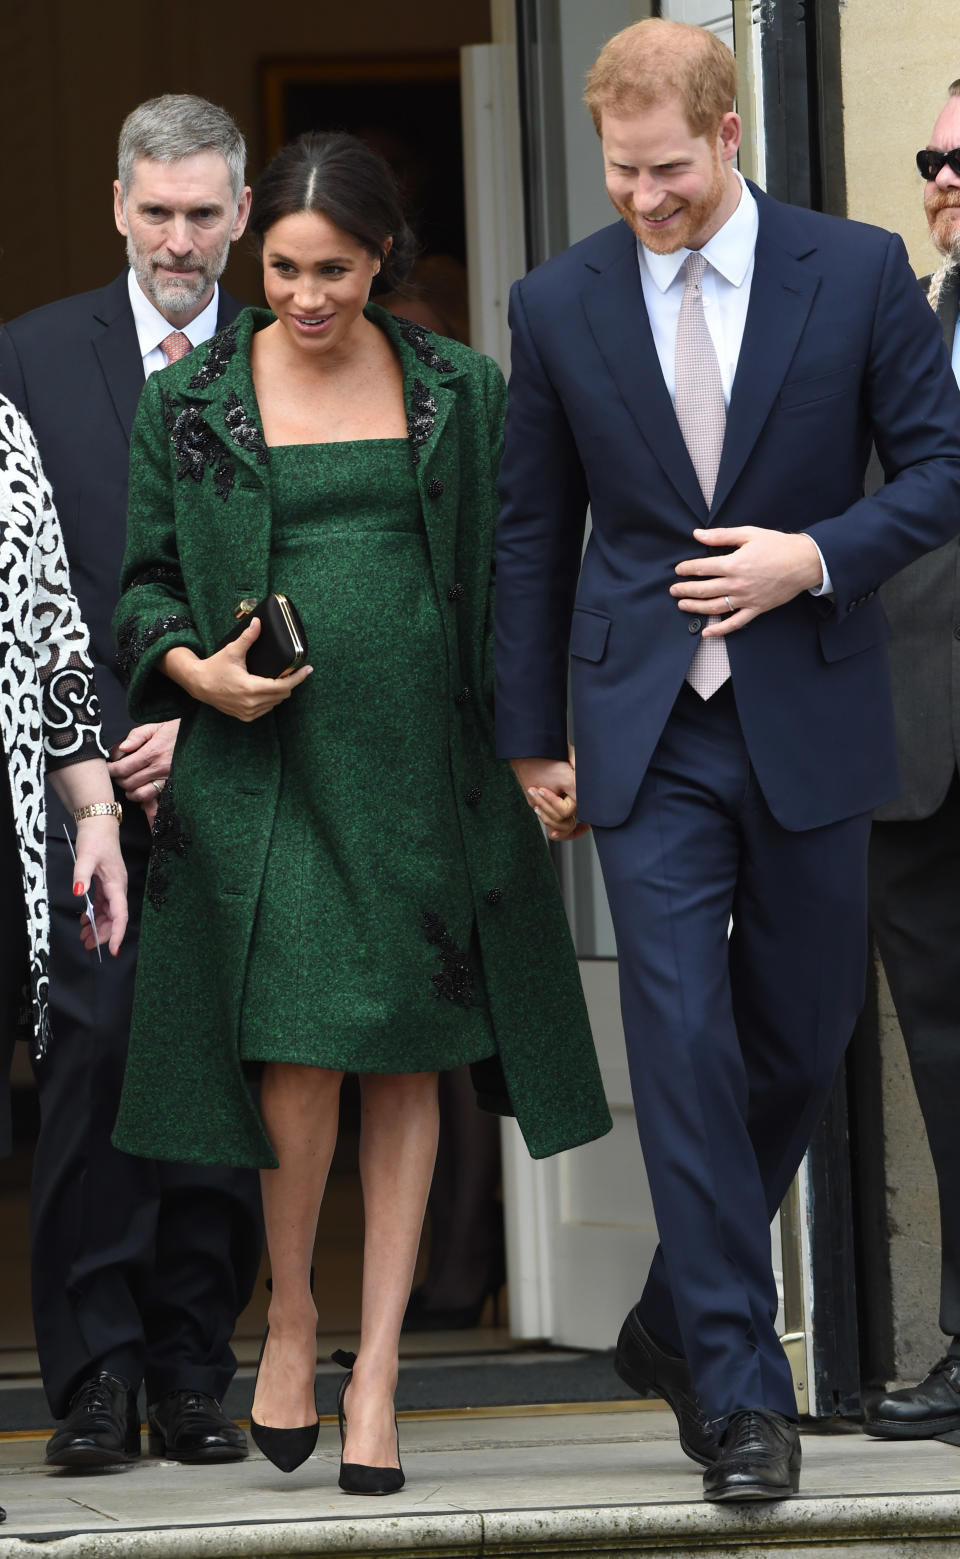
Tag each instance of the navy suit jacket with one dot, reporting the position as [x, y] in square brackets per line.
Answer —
[839, 346]
[75, 370]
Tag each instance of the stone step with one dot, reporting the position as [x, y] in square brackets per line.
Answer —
[529, 1483]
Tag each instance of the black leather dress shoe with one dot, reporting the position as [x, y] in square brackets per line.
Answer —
[759, 1459]
[102, 1426]
[646, 1367]
[919, 1412]
[186, 1426]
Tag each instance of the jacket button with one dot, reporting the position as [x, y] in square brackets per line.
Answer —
[694, 625]
[472, 797]
[435, 488]
[956, 631]
[456, 592]
[463, 697]
[493, 895]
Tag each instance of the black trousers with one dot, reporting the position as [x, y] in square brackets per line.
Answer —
[139, 1267]
[915, 910]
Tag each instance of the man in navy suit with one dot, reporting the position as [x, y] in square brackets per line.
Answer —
[708, 374]
[139, 1268]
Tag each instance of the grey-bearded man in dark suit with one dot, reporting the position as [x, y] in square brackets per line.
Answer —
[139, 1268]
[915, 844]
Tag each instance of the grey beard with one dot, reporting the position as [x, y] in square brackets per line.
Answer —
[176, 297]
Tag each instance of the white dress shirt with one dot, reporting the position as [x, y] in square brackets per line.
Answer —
[726, 297]
[152, 328]
[956, 351]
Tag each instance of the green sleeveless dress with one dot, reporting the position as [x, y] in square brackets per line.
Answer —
[365, 910]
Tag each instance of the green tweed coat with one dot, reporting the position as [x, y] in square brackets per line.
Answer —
[198, 543]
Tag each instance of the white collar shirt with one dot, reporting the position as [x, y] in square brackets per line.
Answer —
[726, 291]
[152, 327]
[956, 351]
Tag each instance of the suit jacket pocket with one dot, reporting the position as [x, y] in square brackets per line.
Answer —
[859, 630]
[799, 392]
[589, 633]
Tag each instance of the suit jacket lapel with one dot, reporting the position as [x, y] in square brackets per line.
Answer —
[781, 295]
[430, 383]
[947, 308]
[227, 309]
[118, 350]
[617, 316]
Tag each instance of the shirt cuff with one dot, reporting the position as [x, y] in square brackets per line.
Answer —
[826, 588]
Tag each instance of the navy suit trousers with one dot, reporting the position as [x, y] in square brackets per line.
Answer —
[733, 1040]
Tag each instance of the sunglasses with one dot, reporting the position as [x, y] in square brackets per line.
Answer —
[930, 162]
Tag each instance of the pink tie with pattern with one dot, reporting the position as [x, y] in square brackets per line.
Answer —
[175, 345]
[702, 415]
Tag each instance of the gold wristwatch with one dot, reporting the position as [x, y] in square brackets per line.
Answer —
[99, 809]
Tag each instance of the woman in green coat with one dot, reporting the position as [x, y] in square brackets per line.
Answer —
[343, 877]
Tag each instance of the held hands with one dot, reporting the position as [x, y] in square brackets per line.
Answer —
[223, 681]
[141, 762]
[764, 569]
[99, 870]
[550, 786]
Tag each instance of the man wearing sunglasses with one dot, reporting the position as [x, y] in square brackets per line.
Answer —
[915, 843]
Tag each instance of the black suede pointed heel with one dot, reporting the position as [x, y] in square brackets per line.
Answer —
[355, 1478]
[285, 1448]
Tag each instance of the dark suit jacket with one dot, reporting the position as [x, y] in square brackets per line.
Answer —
[839, 345]
[923, 605]
[75, 371]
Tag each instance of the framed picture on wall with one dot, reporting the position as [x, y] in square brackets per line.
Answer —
[407, 107]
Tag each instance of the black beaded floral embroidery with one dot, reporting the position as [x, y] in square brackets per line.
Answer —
[421, 342]
[214, 365]
[454, 982]
[196, 446]
[168, 840]
[156, 574]
[133, 641]
[243, 429]
[423, 414]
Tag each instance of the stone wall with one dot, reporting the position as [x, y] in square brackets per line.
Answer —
[895, 74]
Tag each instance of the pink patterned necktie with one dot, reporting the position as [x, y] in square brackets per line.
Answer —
[702, 415]
[175, 345]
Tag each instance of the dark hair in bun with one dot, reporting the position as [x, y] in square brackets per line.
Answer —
[339, 177]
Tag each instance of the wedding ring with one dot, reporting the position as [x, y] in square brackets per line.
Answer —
[158, 787]
[729, 603]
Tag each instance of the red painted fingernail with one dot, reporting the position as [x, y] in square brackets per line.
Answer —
[78, 888]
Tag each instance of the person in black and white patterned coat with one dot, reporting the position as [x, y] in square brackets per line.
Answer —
[49, 721]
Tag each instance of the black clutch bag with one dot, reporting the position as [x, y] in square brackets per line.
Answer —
[282, 643]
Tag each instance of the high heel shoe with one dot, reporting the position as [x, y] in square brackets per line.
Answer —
[286, 1448]
[355, 1478]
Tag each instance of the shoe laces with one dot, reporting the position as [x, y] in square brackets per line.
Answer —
[93, 1397]
[745, 1435]
[949, 1367]
[191, 1402]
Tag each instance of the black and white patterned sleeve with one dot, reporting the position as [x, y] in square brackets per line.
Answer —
[70, 708]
